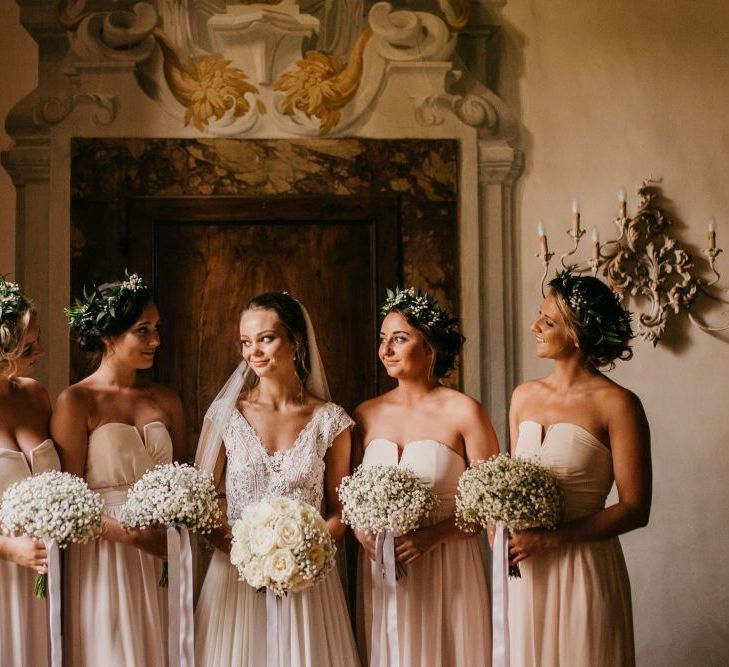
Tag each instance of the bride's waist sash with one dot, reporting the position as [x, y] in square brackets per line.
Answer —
[114, 498]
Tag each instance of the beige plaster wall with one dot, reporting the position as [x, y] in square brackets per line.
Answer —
[610, 93]
[18, 76]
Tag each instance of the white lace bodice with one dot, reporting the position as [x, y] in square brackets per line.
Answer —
[253, 474]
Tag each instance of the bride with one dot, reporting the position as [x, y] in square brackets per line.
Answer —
[272, 432]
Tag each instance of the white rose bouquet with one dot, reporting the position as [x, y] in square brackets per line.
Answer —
[52, 507]
[517, 492]
[381, 497]
[172, 495]
[282, 545]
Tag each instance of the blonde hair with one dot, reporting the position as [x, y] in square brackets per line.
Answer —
[12, 340]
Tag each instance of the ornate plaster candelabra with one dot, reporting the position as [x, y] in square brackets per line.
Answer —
[645, 261]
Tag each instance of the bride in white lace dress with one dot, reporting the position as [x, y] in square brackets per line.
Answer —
[269, 433]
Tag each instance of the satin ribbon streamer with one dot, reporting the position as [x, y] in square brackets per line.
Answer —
[180, 628]
[500, 597]
[278, 629]
[54, 601]
[384, 602]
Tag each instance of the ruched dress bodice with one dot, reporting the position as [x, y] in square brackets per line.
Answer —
[571, 607]
[435, 464]
[118, 456]
[113, 587]
[581, 464]
[443, 610]
[24, 638]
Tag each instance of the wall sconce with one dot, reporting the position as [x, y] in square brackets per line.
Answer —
[644, 261]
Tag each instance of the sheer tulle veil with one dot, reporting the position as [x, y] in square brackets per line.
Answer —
[218, 414]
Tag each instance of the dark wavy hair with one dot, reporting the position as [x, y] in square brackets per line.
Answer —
[291, 316]
[594, 318]
[110, 322]
[443, 338]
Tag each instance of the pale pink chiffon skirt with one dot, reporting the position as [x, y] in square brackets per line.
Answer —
[571, 608]
[443, 608]
[115, 613]
[230, 623]
[24, 636]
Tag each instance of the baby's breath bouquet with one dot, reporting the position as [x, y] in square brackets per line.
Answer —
[517, 492]
[172, 495]
[382, 497]
[52, 507]
[282, 545]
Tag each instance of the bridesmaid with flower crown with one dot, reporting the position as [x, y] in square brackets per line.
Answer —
[112, 427]
[571, 606]
[25, 448]
[442, 600]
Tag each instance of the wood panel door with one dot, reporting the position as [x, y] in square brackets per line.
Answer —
[206, 258]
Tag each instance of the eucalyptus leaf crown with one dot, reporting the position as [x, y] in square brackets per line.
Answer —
[12, 305]
[425, 309]
[599, 313]
[102, 302]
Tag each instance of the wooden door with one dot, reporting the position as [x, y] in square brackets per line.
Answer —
[206, 258]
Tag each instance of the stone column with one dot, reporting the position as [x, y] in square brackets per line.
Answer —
[499, 165]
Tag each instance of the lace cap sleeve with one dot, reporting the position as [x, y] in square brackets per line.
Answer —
[336, 420]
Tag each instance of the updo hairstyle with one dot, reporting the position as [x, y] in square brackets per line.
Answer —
[16, 314]
[594, 318]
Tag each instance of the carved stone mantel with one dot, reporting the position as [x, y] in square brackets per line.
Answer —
[107, 71]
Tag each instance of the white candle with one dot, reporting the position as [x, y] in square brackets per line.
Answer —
[595, 238]
[543, 247]
[623, 199]
[575, 216]
[711, 234]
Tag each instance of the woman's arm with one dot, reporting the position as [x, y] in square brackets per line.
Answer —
[337, 462]
[69, 430]
[480, 443]
[630, 449]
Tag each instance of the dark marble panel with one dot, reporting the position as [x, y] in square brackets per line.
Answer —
[422, 173]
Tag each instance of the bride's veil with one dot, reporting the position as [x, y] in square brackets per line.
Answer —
[218, 414]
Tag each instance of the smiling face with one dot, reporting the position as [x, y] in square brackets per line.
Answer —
[403, 350]
[137, 346]
[554, 339]
[32, 349]
[265, 345]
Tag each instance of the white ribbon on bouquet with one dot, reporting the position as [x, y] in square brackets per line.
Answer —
[500, 597]
[180, 628]
[54, 601]
[278, 630]
[384, 602]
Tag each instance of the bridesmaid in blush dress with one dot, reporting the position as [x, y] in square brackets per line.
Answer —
[25, 449]
[111, 428]
[571, 607]
[442, 600]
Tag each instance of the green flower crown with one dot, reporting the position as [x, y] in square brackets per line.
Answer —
[589, 310]
[12, 305]
[424, 309]
[88, 312]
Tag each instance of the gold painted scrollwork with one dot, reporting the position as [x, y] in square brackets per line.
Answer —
[206, 85]
[322, 85]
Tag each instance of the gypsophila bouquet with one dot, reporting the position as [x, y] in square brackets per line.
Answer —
[172, 494]
[52, 506]
[382, 497]
[518, 492]
[281, 544]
